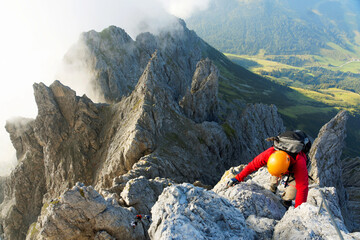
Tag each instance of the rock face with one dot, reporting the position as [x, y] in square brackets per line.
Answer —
[351, 181]
[325, 158]
[201, 102]
[247, 198]
[326, 151]
[261, 208]
[265, 214]
[251, 126]
[143, 132]
[82, 213]
[306, 222]
[188, 212]
[163, 125]
[117, 61]
[133, 153]
[26, 185]
[142, 193]
[2, 185]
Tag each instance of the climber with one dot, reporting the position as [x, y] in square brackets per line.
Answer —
[138, 219]
[281, 164]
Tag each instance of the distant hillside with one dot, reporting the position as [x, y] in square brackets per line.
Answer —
[279, 27]
[312, 45]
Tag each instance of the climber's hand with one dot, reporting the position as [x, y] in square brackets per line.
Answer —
[232, 182]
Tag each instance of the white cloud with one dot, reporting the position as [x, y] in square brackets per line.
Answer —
[185, 8]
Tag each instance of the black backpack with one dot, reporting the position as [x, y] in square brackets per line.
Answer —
[292, 142]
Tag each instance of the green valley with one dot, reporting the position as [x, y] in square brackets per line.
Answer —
[309, 50]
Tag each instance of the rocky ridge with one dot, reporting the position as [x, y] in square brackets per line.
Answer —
[182, 211]
[167, 128]
[147, 133]
[116, 61]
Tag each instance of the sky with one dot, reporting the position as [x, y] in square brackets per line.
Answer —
[35, 35]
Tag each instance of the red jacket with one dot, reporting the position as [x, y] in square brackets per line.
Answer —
[297, 168]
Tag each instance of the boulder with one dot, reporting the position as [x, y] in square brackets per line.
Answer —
[188, 212]
[142, 193]
[252, 199]
[82, 213]
[263, 226]
[307, 222]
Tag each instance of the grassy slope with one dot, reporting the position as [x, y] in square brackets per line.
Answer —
[324, 38]
[308, 109]
[298, 110]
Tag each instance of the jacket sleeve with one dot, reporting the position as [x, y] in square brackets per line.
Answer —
[301, 178]
[255, 164]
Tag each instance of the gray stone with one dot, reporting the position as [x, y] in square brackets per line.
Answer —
[142, 193]
[304, 222]
[2, 188]
[82, 213]
[26, 185]
[201, 102]
[351, 181]
[325, 155]
[142, 132]
[249, 127]
[264, 227]
[103, 235]
[252, 199]
[117, 62]
[188, 212]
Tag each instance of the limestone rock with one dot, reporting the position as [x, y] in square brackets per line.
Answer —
[188, 212]
[53, 151]
[264, 227]
[26, 185]
[67, 128]
[331, 197]
[82, 213]
[252, 199]
[249, 127]
[2, 188]
[143, 132]
[325, 155]
[304, 222]
[103, 235]
[149, 133]
[231, 173]
[142, 193]
[201, 102]
[351, 181]
[117, 62]
[326, 151]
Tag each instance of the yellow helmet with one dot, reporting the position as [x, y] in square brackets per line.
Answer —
[278, 163]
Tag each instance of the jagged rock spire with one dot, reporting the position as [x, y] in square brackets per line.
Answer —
[116, 62]
[143, 132]
[326, 151]
[201, 102]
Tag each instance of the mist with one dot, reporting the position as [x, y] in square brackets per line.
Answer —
[36, 35]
